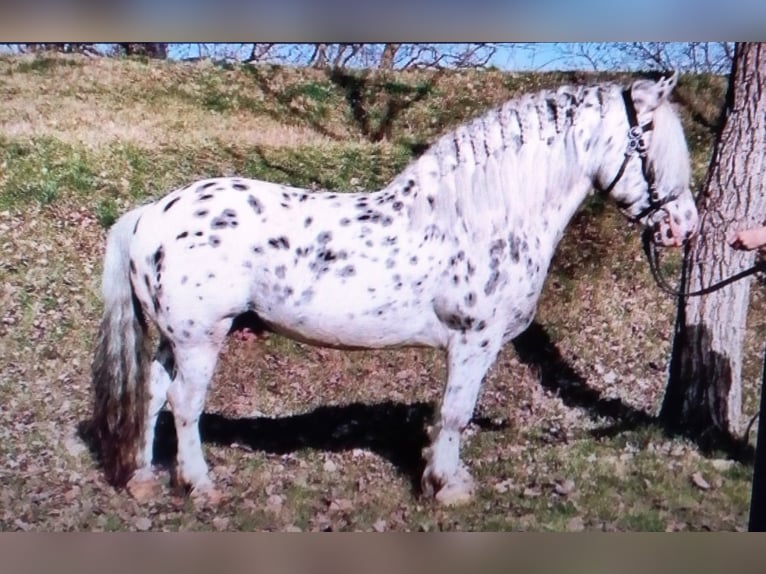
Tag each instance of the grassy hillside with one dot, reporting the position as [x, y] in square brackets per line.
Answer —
[312, 439]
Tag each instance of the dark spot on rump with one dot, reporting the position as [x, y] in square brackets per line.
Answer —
[155, 303]
[324, 237]
[201, 212]
[184, 279]
[347, 271]
[280, 271]
[279, 242]
[170, 204]
[257, 249]
[390, 263]
[414, 260]
[345, 221]
[239, 186]
[431, 200]
[135, 227]
[182, 235]
[470, 299]
[307, 222]
[205, 197]
[214, 240]
[397, 205]
[185, 334]
[255, 204]
[132, 267]
[485, 343]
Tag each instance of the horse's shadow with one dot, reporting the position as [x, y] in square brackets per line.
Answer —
[393, 430]
[535, 347]
[397, 431]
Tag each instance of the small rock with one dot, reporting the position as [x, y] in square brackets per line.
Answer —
[699, 481]
[330, 466]
[74, 446]
[531, 492]
[564, 488]
[722, 464]
[575, 524]
[380, 525]
[142, 524]
[274, 503]
[503, 486]
[220, 523]
[341, 505]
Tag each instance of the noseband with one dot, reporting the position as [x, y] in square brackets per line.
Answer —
[637, 145]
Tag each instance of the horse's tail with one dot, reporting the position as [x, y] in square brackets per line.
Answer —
[121, 364]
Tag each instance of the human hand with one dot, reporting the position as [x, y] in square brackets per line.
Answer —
[748, 239]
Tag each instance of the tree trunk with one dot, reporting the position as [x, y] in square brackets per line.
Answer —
[704, 386]
[158, 50]
[388, 56]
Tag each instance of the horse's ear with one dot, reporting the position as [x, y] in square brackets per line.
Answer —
[648, 95]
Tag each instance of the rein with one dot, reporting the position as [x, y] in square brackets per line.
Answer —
[652, 256]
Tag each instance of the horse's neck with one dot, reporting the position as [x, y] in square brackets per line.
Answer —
[533, 178]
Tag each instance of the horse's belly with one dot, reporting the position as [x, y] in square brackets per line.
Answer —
[345, 326]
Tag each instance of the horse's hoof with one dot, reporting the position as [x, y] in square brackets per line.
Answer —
[454, 490]
[144, 486]
[454, 495]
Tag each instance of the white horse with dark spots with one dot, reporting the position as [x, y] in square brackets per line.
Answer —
[452, 254]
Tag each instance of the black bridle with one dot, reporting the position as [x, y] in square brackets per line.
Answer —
[637, 145]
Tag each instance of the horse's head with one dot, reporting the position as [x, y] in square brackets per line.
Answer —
[647, 169]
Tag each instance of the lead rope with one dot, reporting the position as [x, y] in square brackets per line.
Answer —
[651, 254]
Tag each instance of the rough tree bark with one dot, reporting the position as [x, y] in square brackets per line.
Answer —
[703, 395]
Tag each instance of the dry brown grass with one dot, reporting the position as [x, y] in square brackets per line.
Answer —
[98, 102]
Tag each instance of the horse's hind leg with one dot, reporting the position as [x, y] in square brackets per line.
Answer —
[144, 484]
[195, 365]
[469, 356]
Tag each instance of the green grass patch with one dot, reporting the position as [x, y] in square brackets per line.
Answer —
[44, 64]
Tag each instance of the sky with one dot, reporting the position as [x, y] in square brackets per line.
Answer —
[540, 56]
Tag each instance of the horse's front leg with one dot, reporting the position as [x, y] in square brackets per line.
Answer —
[469, 356]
